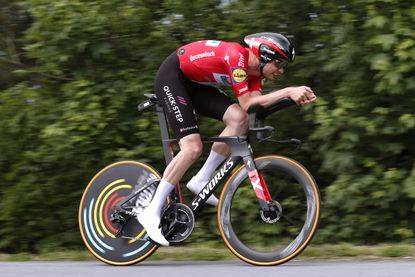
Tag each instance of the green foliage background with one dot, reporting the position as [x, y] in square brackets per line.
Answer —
[72, 72]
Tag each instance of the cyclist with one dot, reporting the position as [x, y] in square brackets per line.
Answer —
[186, 85]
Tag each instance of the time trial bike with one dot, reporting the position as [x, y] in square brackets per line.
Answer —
[267, 214]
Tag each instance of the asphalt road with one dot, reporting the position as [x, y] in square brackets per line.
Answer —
[399, 268]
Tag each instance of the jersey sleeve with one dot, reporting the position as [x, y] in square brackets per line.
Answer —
[237, 61]
[255, 84]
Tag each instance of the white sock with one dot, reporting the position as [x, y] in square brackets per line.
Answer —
[157, 204]
[212, 162]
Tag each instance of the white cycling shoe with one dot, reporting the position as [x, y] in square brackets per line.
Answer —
[195, 187]
[151, 223]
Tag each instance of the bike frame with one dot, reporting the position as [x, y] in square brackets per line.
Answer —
[240, 151]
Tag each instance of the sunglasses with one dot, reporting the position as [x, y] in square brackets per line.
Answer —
[281, 64]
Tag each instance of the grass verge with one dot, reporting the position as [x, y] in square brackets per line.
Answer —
[220, 252]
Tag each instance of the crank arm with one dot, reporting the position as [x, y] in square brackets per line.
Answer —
[132, 238]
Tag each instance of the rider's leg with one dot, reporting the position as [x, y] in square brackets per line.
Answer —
[198, 181]
[236, 121]
[190, 151]
[172, 88]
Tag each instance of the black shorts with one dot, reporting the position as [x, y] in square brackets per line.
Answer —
[182, 98]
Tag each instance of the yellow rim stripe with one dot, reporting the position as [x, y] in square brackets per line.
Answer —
[97, 203]
[101, 208]
[137, 237]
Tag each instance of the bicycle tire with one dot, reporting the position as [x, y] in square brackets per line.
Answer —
[237, 211]
[108, 187]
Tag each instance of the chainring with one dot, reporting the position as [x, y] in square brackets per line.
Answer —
[177, 222]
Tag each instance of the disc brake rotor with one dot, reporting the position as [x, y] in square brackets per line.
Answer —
[273, 214]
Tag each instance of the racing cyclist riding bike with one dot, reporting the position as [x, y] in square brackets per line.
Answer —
[186, 84]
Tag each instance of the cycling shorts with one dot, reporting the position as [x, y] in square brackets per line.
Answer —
[182, 99]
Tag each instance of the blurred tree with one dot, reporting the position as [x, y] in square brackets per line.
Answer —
[13, 21]
[365, 118]
[76, 116]
[73, 71]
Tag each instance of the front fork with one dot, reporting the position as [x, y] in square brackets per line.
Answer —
[258, 183]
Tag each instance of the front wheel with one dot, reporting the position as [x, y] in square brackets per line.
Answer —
[278, 235]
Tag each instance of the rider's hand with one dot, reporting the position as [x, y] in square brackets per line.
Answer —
[302, 95]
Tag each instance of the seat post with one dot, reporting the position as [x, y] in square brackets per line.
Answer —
[165, 137]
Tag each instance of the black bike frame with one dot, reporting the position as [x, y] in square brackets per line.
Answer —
[240, 150]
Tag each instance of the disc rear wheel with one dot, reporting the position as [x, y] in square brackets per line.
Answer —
[98, 215]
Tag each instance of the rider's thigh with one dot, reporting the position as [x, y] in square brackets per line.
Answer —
[236, 117]
[210, 101]
[191, 145]
[171, 87]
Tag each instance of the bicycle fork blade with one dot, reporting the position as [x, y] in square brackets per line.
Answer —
[258, 183]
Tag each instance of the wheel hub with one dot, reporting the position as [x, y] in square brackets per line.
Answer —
[273, 214]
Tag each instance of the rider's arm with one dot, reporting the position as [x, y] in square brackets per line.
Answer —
[248, 90]
[301, 95]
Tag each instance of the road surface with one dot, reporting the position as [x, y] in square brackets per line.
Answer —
[388, 268]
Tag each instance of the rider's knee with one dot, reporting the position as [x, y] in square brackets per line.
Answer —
[237, 118]
[192, 148]
[194, 151]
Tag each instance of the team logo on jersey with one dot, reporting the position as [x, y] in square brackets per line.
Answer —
[241, 61]
[214, 43]
[238, 75]
[242, 90]
[222, 79]
[202, 55]
[227, 59]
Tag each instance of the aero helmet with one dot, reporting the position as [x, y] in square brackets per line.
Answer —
[270, 46]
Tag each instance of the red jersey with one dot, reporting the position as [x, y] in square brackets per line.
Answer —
[212, 62]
